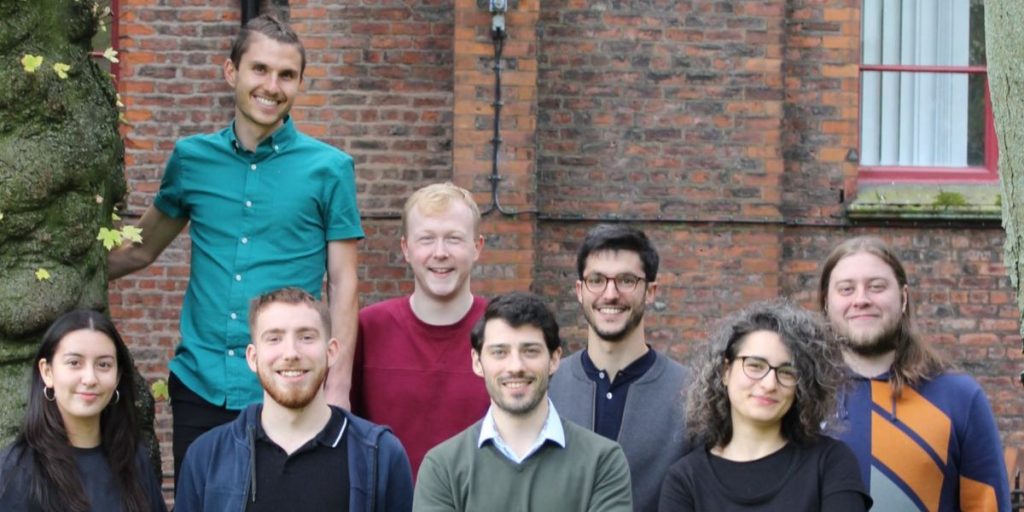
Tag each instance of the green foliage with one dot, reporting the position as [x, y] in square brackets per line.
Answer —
[159, 390]
[948, 199]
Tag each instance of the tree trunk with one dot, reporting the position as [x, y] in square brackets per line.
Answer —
[61, 172]
[1004, 46]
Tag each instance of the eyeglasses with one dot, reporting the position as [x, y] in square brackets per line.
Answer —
[756, 368]
[597, 283]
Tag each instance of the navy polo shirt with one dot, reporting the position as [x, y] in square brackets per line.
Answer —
[314, 477]
[610, 399]
[259, 220]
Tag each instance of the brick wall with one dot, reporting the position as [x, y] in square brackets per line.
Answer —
[722, 127]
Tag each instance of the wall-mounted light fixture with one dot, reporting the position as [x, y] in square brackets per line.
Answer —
[498, 9]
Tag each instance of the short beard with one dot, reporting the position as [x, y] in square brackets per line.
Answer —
[885, 342]
[295, 398]
[635, 317]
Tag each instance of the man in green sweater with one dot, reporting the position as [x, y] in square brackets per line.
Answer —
[522, 455]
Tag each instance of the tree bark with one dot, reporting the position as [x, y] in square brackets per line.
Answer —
[61, 172]
[1004, 46]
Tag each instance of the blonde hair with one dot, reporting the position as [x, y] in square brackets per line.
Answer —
[435, 199]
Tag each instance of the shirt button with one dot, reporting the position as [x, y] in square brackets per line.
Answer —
[231, 353]
[275, 147]
[234, 316]
[245, 240]
[601, 375]
[248, 204]
[609, 395]
[253, 167]
[238, 277]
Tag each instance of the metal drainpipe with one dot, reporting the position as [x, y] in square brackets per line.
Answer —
[250, 9]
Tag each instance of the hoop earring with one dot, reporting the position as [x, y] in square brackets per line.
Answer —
[52, 396]
[117, 396]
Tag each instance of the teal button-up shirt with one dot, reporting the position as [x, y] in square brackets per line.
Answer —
[259, 221]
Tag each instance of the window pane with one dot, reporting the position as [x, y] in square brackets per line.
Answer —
[919, 32]
[921, 119]
[978, 33]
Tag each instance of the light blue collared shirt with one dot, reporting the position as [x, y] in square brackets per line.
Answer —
[551, 431]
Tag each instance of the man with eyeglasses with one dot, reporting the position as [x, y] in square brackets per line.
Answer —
[618, 386]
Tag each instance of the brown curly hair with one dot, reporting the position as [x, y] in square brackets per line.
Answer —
[818, 361]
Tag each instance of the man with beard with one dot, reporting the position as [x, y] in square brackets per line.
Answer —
[411, 372]
[619, 386]
[268, 207]
[522, 455]
[924, 435]
[294, 451]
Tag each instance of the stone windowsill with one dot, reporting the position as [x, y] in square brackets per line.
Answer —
[912, 201]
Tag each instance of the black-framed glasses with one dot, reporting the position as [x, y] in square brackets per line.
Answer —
[597, 283]
[757, 367]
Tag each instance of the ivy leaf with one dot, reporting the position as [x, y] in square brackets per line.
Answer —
[62, 70]
[120, 104]
[159, 390]
[1, 215]
[114, 216]
[109, 237]
[132, 234]
[42, 274]
[111, 55]
[31, 62]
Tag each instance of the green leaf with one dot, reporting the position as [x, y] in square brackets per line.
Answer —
[132, 234]
[114, 216]
[111, 55]
[62, 70]
[31, 62]
[109, 237]
[159, 390]
[42, 274]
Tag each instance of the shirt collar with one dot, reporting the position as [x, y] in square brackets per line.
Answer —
[551, 431]
[330, 436]
[275, 143]
[634, 369]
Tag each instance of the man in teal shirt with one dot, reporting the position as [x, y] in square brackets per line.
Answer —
[269, 208]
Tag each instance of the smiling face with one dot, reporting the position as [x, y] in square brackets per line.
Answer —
[761, 401]
[441, 249]
[83, 373]
[290, 353]
[266, 81]
[865, 303]
[614, 314]
[515, 365]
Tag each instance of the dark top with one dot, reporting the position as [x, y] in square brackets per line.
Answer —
[610, 398]
[97, 479]
[821, 476]
[313, 477]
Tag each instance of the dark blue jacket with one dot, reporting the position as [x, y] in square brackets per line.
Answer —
[216, 473]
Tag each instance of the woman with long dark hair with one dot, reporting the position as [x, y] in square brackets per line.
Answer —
[761, 393]
[79, 447]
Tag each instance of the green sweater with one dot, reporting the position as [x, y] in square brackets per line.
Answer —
[589, 474]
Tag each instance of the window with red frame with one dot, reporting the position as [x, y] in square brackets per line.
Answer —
[925, 110]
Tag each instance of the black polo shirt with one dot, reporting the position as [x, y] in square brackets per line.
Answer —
[610, 400]
[314, 477]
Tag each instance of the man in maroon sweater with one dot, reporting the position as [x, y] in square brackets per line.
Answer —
[412, 367]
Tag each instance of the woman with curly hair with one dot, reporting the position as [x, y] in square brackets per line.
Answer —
[762, 391]
[78, 449]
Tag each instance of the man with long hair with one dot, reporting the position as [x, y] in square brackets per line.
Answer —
[924, 434]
